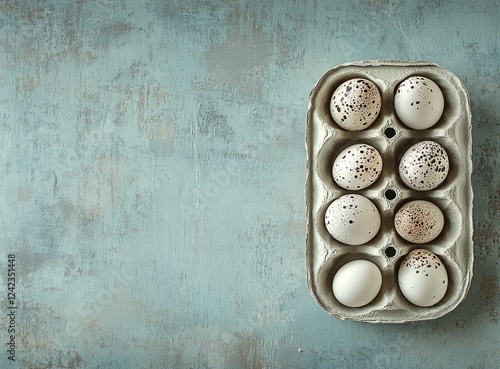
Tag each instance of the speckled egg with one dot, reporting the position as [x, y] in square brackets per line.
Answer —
[352, 219]
[424, 166]
[355, 104]
[357, 167]
[422, 278]
[419, 221]
[419, 102]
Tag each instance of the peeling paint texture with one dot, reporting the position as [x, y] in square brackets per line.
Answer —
[153, 167]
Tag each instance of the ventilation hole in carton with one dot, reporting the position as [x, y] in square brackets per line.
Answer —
[390, 252]
[390, 132]
[390, 194]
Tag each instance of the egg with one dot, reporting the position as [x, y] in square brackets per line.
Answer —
[355, 104]
[422, 278]
[357, 283]
[419, 102]
[352, 219]
[419, 221]
[424, 166]
[357, 167]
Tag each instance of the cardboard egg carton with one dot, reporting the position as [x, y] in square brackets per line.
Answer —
[325, 140]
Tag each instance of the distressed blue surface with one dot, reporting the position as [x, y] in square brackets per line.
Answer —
[153, 168]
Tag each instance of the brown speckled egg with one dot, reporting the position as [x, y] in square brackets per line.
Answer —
[422, 278]
[424, 166]
[355, 104]
[357, 167]
[419, 221]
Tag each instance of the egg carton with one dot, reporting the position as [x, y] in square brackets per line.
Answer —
[325, 140]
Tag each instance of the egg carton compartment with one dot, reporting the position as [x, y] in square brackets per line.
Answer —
[326, 273]
[450, 299]
[325, 139]
[452, 221]
[455, 157]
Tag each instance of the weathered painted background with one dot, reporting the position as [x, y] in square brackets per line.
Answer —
[153, 165]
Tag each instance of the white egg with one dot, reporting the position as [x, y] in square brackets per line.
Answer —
[355, 104]
[419, 221]
[422, 278]
[419, 102]
[424, 166]
[357, 283]
[352, 219]
[357, 167]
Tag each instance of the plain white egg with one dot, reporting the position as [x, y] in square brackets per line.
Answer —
[419, 102]
[357, 283]
[422, 278]
[352, 219]
[355, 104]
[357, 167]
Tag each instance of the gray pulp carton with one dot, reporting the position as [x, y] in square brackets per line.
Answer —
[325, 139]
